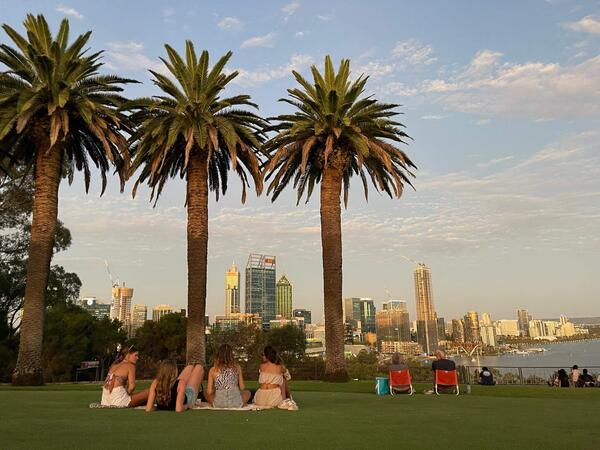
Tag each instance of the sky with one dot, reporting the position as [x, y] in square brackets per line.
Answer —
[501, 99]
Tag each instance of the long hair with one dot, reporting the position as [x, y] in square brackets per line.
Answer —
[124, 352]
[271, 355]
[224, 358]
[165, 378]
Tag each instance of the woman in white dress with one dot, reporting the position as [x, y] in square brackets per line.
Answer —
[119, 385]
[272, 380]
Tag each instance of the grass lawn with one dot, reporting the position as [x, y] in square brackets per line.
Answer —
[331, 416]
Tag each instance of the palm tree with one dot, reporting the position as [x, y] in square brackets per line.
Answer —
[192, 132]
[56, 113]
[333, 135]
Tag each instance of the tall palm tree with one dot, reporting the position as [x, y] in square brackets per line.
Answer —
[56, 113]
[192, 132]
[333, 135]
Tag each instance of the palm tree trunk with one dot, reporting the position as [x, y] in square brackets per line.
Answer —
[28, 370]
[197, 252]
[331, 242]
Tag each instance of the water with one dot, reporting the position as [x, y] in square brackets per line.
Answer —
[564, 354]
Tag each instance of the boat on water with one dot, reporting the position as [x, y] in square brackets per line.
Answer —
[537, 350]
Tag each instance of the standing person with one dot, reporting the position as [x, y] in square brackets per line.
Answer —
[172, 392]
[272, 380]
[226, 387]
[574, 375]
[119, 385]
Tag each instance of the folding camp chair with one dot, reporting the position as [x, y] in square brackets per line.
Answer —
[446, 378]
[400, 379]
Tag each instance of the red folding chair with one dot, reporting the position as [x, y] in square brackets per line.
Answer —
[446, 378]
[400, 380]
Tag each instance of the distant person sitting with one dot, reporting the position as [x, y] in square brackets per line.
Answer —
[397, 363]
[486, 378]
[562, 379]
[442, 363]
[399, 376]
[575, 375]
[585, 379]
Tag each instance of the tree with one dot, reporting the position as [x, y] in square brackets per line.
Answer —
[164, 339]
[289, 341]
[335, 134]
[192, 132]
[57, 115]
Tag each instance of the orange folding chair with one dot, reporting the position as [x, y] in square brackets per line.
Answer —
[400, 381]
[446, 378]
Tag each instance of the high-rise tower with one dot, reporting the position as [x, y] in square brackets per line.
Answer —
[260, 287]
[427, 334]
[121, 304]
[283, 298]
[232, 290]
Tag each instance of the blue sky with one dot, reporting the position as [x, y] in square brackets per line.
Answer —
[502, 100]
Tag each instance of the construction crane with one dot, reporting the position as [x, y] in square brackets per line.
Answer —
[112, 282]
[409, 260]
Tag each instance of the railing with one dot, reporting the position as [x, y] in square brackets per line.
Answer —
[516, 375]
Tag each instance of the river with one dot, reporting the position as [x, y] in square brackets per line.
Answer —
[563, 354]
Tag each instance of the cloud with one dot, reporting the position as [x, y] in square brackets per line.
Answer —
[482, 122]
[69, 11]
[588, 24]
[259, 41]
[531, 89]
[325, 17]
[433, 117]
[289, 10]
[496, 161]
[230, 23]
[297, 62]
[413, 52]
[396, 88]
[299, 34]
[128, 56]
[375, 69]
[168, 15]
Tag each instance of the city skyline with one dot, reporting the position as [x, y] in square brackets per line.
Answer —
[506, 204]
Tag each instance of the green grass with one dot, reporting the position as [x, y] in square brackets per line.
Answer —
[344, 415]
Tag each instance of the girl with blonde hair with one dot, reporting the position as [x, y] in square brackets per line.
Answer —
[172, 392]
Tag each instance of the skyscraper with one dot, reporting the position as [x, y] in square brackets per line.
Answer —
[523, 319]
[303, 313]
[283, 298]
[159, 311]
[139, 314]
[260, 287]
[472, 330]
[485, 319]
[458, 330]
[393, 324]
[232, 290]
[121, 304]
[427, 334]
[361, 310]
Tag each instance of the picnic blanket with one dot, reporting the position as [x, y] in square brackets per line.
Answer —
[198, 405]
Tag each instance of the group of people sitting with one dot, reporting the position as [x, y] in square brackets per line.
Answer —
[574, 379]
[173, 391]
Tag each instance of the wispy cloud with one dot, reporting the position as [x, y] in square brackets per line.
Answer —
[493, 162]
[230, 23]
[433, 117]
[588, 24]
[129, 56]
[299, 34]
[289, 10]
[168, 15]
[69, 11]
[264, 74]
[325, 17]
[259, 41]
[413, 52]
